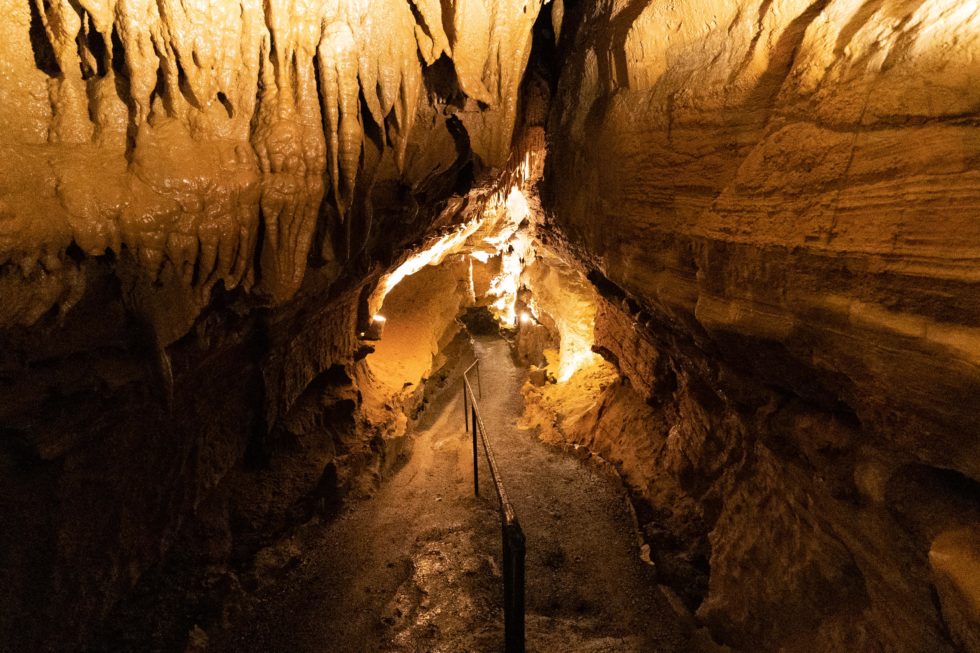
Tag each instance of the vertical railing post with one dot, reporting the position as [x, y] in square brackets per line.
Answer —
[479, 379]
[476, 458]
[513, 541]
[466, 410]
[508, 589]
[519, 551]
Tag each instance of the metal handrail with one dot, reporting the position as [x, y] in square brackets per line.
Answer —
[479, 377]
[512, 534]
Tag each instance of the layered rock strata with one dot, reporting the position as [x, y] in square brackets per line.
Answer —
[780, 201]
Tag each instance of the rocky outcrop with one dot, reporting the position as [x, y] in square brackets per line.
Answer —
[955, 557]
[779, 201]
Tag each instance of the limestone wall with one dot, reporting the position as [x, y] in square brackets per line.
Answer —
[781, 200]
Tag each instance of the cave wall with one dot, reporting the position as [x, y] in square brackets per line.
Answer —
[97, 473]
[195, 199]
[420, 322]
[107, 457]
[778, 200]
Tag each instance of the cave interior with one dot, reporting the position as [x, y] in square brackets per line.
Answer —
[708, 270]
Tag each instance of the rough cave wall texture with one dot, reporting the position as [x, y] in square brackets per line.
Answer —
[199, 138]
[780, 200]
[194, 197]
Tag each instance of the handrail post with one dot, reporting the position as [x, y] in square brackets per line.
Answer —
[466, 410]
[479, 378]
[513, 541]
[476, 459]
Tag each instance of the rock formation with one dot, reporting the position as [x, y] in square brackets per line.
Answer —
[193, 195]
[197, 140]
[746, 276]
[779, 202]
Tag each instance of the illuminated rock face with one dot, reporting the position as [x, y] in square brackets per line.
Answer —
[173, 134]
[795, 174]
[193, 195]
[785, 196]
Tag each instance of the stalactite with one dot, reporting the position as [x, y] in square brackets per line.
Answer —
[430, 34]
[197, 120]
[70, 123]
[337, 54]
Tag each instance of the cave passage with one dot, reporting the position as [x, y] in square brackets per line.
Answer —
[720, 260]
[416, 567]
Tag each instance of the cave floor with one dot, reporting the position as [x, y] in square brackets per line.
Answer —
[415, 567]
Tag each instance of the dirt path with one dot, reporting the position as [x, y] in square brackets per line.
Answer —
[415, 568]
